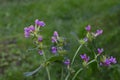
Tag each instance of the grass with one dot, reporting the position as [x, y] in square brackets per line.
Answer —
[65, 16]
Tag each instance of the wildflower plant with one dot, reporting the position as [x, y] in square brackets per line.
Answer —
[59, 53]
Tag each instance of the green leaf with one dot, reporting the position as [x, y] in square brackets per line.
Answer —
[55, 58]
[33, 72]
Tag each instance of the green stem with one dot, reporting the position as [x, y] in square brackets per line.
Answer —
[82, 69]
[67, 76]
[47, 69]
[77, 73]
[33, 72]
[62, 73]
[91, 61]
[76, 54]
[73, 60]
[37, 29]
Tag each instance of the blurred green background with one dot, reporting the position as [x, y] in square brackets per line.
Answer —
[65, 16]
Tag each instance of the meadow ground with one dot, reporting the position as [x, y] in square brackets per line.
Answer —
[65, 16]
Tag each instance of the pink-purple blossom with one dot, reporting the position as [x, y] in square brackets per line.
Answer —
[31, 28]
[98, 32]
[88, 28]
[40, 39]
[85, 57]
[27, 34]
[55, 34]
[28, 30]
[39, 23]
[40, 52]
[108, 61]
[112, 60]
[54, 39]
[54, 50]
[100, 50]
[67, 62]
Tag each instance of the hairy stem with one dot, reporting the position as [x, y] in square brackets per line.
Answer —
[62, 73]
[47, 69]
[73, 60]
[67, 76]
[76, 54]
[91, 61]
[82, 69]
[77, 73]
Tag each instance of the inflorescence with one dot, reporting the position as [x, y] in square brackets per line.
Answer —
[58, 44]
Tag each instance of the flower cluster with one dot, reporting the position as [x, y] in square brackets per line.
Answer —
[54, 40]
[90, 35]
[57, 48]
[33, 31]
[108, 61]
[58, 45]
[55, 37]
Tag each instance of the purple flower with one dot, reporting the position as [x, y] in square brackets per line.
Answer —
[28, 30]
[85, 57]
[108, 61]
[40, 38]
[100, 50]
[98, 32]
[67, 62]
[54, 39]
[85, 39]
[54, 50]
[55, 34]
[27, 34]
[101, 63]
[31, 28]
[88, 28]
[112, 60]
[40, 52]
[39, 23]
